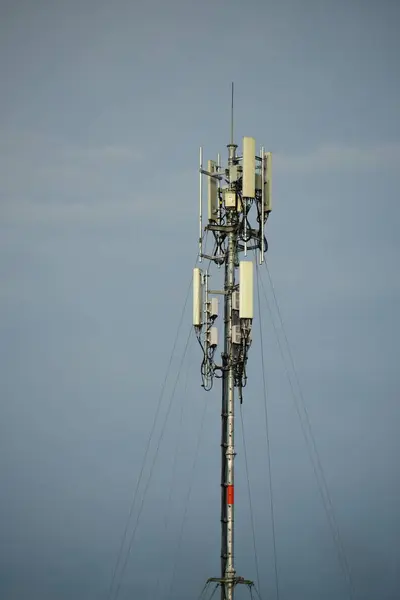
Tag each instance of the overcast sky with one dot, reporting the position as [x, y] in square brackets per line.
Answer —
[103, 106]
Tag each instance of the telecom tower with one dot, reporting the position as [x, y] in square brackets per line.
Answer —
[239, 203]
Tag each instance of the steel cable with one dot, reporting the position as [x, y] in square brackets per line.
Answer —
[271, 496]
[316, 462]
[132, 539]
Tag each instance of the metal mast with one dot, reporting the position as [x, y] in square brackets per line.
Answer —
[232, 192]
[228, 412]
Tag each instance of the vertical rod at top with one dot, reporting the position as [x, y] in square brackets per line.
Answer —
[232, 114]
[200, 205]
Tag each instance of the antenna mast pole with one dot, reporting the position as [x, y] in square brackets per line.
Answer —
[232, 192]
[228, 404]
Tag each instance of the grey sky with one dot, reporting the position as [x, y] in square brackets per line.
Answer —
[102, 109]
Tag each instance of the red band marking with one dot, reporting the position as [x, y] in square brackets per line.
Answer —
[230, 496]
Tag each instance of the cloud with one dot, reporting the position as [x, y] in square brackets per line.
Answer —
[45, 179]
[333, 158]
[35, 151]
[29, 159]
[23, 211]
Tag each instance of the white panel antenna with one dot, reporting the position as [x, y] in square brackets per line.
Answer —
[249, 167]
[213, 207]
[197, 297]
[246, 290]
[268, 181]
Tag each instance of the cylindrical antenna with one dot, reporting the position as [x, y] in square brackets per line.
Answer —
[200, 205]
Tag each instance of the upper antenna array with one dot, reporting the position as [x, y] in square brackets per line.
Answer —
[232, 191]
[238, 206]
